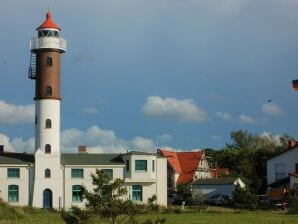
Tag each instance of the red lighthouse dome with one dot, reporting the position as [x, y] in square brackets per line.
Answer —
[49, 23]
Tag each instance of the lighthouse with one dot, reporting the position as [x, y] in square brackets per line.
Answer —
[44, 69]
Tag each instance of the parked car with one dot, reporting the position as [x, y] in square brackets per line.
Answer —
[277, 204]
[218, 199]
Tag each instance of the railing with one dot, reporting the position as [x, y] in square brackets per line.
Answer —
[48, 43]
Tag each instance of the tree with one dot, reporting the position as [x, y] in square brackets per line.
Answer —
[243, 198]
[108, 198]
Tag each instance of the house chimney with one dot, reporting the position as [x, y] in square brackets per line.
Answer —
[1, 148]
[82, 149]
[292, 144]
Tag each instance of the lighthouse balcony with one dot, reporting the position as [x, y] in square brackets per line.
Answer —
[56, 43]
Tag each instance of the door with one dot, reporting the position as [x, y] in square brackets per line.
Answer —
[47, 198]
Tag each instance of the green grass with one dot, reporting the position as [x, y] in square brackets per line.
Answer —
[27, 215]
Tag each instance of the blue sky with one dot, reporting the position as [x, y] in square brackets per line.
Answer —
[142, 74]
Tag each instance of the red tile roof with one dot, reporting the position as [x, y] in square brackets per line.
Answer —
[49, 23]
[183, 163]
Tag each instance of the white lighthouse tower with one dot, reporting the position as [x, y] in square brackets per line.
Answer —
[45, 70]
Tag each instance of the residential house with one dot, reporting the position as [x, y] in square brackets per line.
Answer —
[283, 168]
[185, 167]
[212, 186]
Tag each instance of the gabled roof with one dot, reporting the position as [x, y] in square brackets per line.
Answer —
[215, 181]
[91, 159]
[183, 163]
[16, 158]
[49, 23]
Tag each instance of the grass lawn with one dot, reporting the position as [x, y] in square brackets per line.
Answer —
[211, 217]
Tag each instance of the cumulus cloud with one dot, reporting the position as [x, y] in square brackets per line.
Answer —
[96, 139]
[215, 137]
[100, 140]
[182, 110]
[271, 109]
[224, 115]
[246, 119]
[14, 114]
[273, 138]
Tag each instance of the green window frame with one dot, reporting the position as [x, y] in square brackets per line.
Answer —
[13, 193]
[77, 193]
[108, 172]
[77, 173]
[13, 172]
[141, 165]
[137, 193]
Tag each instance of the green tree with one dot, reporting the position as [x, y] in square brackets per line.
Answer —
[108, 198]
[243, 198]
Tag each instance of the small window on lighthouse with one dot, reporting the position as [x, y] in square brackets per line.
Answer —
[48, 123]
[49, 91]
[47, 173]
[48, 149]
[49, 61]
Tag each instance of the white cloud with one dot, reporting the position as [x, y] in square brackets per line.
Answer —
[142, 144]
[273, 138]
[90, 111]
[7, 145]
[100, 140]
[181, 110]
[224, 115]
[246, 119]
[271, 109]
[13, 114]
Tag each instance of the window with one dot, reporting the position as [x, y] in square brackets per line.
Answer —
[77, 173]
[77, 193]
[153, 165]
[108, 172]
[35, 119]
[141, 165]
[49, 91]
[13, 173]
[137, 193]
[279, 171]
[13, 193]
[48, 149]
[48, 123]
[49, 62]
[47, 173]
[127, 165]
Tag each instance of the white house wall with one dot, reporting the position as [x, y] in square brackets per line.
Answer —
[86, 181]
[288, 159]
[22, 183]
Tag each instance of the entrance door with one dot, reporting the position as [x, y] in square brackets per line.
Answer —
[47, 198]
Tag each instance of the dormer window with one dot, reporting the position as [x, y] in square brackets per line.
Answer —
[141, 165]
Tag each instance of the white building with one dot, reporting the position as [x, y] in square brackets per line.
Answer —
[281, 166]
[51, 179]
[213, 186]
[139, 170]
